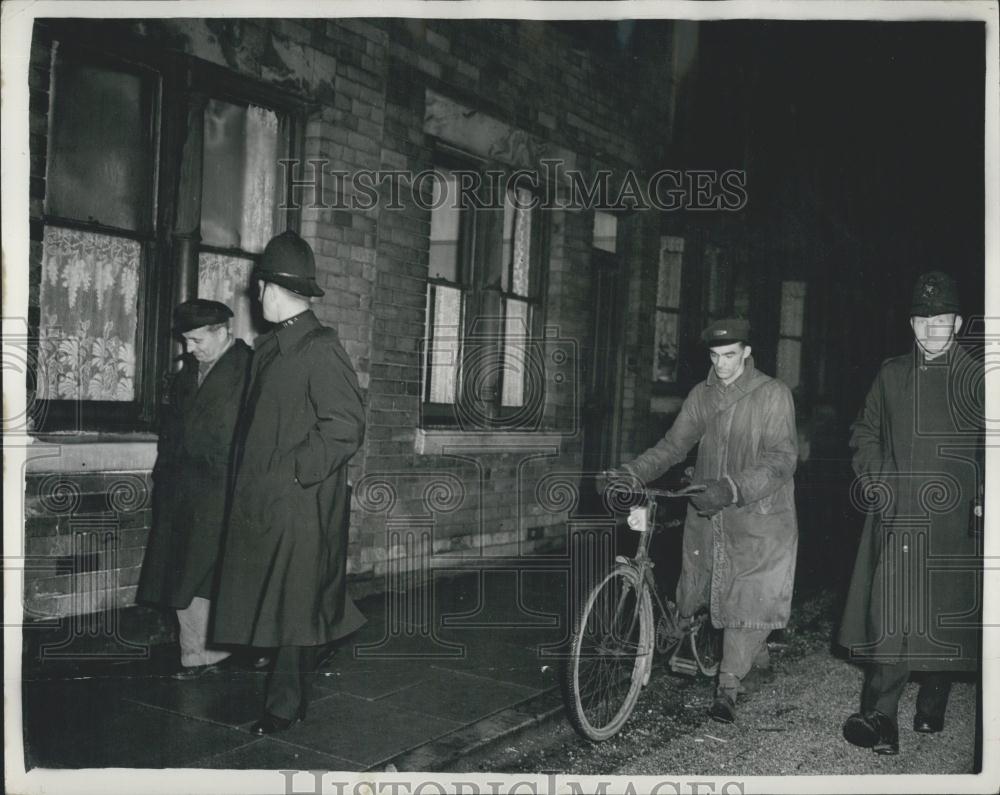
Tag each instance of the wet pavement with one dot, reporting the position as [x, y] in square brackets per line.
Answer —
[437, 671]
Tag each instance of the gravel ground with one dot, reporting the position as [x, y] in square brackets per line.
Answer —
[791, 727]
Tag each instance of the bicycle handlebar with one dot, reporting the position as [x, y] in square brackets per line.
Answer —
[687, 491]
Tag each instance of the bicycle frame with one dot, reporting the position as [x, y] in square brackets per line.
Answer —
[643, 565]
[616, 636]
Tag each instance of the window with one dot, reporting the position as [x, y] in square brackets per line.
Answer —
[449, 263]
[520, 383]
[99, 237]
[238, 204]
[481, 368]
[110, 271]
[717, 284]
[668, 306]
[605, 231]
[793, 302]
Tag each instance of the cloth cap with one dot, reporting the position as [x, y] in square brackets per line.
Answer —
[199, 312]
[727, 331]
[935, 293]
[288, 261]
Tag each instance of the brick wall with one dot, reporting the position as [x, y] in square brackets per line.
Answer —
[369, 81]
[85, 538]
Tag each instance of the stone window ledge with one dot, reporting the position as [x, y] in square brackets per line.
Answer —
[438, 442]
[91, 452]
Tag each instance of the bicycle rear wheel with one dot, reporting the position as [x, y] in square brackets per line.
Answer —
[610, 650]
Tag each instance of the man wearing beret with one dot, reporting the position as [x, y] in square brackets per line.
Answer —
[918, 457]
[741, 533]
[192, 477]
[283, 579]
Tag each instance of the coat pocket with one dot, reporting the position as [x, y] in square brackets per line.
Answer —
[775, 502]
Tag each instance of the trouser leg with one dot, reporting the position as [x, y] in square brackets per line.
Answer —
[883, 686]
[740, 649]
[290, 685]
[932, 698]
[193, 624]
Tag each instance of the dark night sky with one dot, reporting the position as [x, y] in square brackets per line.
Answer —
[877, 126]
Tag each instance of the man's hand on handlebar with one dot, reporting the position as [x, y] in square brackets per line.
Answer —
[717, 495]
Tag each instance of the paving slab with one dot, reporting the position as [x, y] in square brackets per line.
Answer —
[458, 697]
[364, 732]
[233, 699]
[274, 754]
[95, 728]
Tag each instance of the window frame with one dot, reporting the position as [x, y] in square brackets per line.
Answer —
[434, 414]
[669, 387]
[181, 81]
[55, 414]
[783, 336]
[480, 229]
[535, 302]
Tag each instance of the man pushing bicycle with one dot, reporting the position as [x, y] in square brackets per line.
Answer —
[741, 532]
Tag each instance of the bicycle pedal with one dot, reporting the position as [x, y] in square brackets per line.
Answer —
[682, 665]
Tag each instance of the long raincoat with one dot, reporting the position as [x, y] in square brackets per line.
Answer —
[740, 563]
[283, 579]
[918, 455]
[192, 478]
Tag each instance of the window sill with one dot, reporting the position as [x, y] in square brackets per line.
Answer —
[444, 441]
[91, 452]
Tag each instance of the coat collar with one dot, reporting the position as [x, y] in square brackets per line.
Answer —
[286, 335]
[741, 385]
[953, 357]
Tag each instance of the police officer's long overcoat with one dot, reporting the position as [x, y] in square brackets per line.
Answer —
[283, 579]
[741, 562]
[918, 451]
[192, 480]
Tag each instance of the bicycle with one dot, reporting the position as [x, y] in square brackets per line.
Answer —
[611, 649]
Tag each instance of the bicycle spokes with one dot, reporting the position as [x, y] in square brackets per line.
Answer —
[611, 649]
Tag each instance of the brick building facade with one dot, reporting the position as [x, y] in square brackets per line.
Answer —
[431, 489]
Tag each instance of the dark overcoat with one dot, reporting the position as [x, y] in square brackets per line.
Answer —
[918, 454]
[192, 478]
[740, 563]
[283, 577]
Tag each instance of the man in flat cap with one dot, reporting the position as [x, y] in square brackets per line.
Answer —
[918, 457]
[741, 533]
[192, 477]
[283, 580]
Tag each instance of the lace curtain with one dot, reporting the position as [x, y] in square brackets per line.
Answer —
[89, 317]
[517, 242]
[240, 164]
[258, 183]
[227, 279]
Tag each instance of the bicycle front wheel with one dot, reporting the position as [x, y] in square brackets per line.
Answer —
[610, 650]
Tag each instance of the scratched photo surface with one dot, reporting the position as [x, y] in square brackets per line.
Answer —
[452, 398]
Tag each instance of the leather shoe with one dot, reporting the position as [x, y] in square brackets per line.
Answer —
[873, 730]
[271, 724]
[927, 724]
[196, 672]
[723, 709]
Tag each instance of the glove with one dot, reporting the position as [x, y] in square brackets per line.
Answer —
[716, 496]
